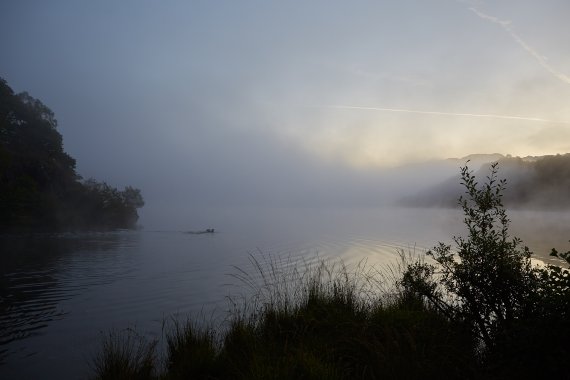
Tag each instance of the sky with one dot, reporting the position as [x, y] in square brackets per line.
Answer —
[274, 99]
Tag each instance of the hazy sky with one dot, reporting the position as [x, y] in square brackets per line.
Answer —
[195, 97]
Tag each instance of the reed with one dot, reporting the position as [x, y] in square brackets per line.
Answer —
[125, 355]
[314, 321]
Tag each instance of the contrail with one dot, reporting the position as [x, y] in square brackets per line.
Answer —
[403, 110]
[506, 25]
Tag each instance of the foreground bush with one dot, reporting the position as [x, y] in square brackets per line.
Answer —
[335, 329]
[328, 324]
[125, 355]
[482, 311]
[40, 189]
[518, 312]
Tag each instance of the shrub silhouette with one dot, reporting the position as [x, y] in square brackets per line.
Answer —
[489, 281]
[480, 312]
[518, 312]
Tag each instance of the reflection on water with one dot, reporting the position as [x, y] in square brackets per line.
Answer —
[40, 272]
[58, 292]
[542, 231]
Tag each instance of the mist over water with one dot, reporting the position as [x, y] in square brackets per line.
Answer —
[58, 292]
[292, 129]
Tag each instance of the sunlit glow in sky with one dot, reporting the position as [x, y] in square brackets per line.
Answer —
[257, 86]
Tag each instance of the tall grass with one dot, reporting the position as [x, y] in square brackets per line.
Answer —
[191, 350]
[125, 355]
[280, 284]
[321, 320]
[351, 321]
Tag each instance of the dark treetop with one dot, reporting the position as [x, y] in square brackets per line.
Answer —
[39, 187]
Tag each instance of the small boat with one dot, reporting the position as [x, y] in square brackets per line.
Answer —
[206, 231]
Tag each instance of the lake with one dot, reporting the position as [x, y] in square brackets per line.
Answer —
[59, 292]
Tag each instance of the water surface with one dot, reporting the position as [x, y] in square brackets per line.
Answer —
[59, 292]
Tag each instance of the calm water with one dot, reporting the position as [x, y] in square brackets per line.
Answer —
[59, 292]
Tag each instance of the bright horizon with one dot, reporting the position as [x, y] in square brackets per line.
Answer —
[211, 98]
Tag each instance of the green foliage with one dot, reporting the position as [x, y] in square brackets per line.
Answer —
[192, 352]
[540, 183]
[554, 288]
[336, 325]
[490, 278]
[482, 311]
[518, 311]
[125, 355]
[39, 188]
[108, 206]
[330, 325]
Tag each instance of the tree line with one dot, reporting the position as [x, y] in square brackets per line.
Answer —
[39, 186]
[534, 183]
[517, 313]
[480, 309]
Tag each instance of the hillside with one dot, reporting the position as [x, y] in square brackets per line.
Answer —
[533, 182]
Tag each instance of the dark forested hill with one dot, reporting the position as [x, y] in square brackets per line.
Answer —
[532, 182]
[39, 187]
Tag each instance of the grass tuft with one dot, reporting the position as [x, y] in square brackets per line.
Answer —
[125, 355]
[325, 320]
[192, 351]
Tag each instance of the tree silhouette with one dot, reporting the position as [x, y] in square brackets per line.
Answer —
[39, 187]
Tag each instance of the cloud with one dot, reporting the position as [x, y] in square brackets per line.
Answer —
[507, 26]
